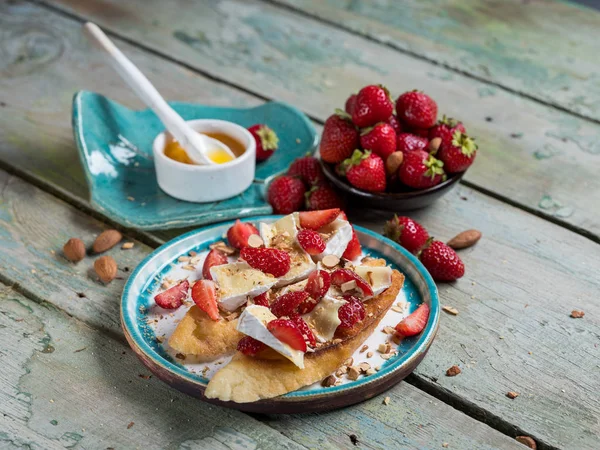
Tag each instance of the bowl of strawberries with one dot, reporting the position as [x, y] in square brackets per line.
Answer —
[394, 155]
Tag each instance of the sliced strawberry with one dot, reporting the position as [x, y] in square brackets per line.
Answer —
[268, 260]
[307, 305]
[239, 232]
[286, 304]
[214, 258]
[415, 322]
[173, 297]
[353, 249]
[262, 299]
[287, 332]
[351, 312]
[313, 220]
[250, 346]
[318, 284]
[311, 242]
[341, 276]
[204, 294]
[307, 333]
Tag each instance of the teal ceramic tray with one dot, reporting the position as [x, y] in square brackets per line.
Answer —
[115, 147]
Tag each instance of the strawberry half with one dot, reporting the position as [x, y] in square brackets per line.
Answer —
[239, 232]
[313, 220]
[250, 346]
[287, 332]
[311, 242]
[353, 249]
[307, 333]
[261, 299]
[341, 276]
[268, 260]
[351, 312]
[286, 304]
[204, 294]
[214, 258]
[317, 285]
[173, 297]
[414, 323]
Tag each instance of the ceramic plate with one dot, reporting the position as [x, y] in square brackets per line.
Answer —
[145, 325]
[115, 147]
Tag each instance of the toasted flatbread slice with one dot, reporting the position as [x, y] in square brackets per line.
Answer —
[248, 379]
[200, 336]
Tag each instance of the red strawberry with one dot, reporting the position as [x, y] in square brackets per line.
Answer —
[380, 139]
[351, 312]
[308, 169]
[307, 333]
[266, 141]
[307, 305]
[317, 285]
[406, 232]
[214, 258]
[268, 260]
[459, 154]
[341, 276]
[415, 322]
[313, 220]
[442, 262]
[322, 197]
[421, 132]
[365, 171]
[416, 109]
[173, 297]
[421, 170]
[287, 332]
[407, 143]
[286, 194]
[239, 232]
[261, 299]
[373, 104]
[353, 249]
[286, 304]
[311, 242]
[250, 346]
[204, 294]
[339, 138]
[349, 106]
[445, 129]
[395, 123]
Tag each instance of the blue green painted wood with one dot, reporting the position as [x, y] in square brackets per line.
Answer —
[115, 147]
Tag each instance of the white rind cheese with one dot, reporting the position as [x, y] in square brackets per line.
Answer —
[340, 234]
[324, 320]
[379, 277]
[253, 322]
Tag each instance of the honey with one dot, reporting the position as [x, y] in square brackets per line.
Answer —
[174, 151]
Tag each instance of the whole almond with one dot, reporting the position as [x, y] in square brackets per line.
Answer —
[393, 162]
[106, 268]
[526, 440]
[74, 250]
[106, 240]
[464, 239]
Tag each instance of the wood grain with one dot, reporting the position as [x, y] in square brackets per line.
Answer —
[512, 43]
[522, 283]
[532, 154]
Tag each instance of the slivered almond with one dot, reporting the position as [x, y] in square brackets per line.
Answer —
[330, 261]
[183, 259]
[369, 354]
[329, 381]
[189, 267]
[353, 373]
[386, 401]
[450, 310]
[255, 241]
[397, 309]
[364, 348]
[370, 372]
[388, 330]
[127, 245]
[348, 285]
[349, 361]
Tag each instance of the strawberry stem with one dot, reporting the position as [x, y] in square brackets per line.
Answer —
[466, 144]
[268, 138]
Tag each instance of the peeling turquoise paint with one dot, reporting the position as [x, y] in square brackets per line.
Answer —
[546, 152]
[70, 439]
[486, 91]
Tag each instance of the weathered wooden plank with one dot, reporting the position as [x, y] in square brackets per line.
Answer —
[522, 282]
[511, 43]
[55, 368]
[531, 154]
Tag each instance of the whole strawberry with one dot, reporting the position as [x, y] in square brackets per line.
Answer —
[308, 169]
[380, 139]
[445, 129]
[365, 170]
[459, 154]
[406, 142]
[441, 261]
[339, 138]
[349, 106]
[286, 194]
[416, 109]
[421, 170]
[373, 104]
[266, 141]
[407, 232]
[322, 197]
[395, 123]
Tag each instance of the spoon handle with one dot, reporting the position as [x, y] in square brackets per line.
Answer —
[187, 138]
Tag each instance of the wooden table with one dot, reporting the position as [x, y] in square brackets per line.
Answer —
[525, 78]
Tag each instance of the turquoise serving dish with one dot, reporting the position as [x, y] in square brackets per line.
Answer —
[137, 320]
[115, 147]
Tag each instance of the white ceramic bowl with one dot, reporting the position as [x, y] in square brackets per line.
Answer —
[202, 184]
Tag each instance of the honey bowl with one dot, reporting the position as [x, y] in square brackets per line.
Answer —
[178, 177]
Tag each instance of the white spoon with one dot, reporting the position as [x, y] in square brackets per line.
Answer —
[196, 145]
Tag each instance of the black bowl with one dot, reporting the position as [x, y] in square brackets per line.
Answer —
[403, 199]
